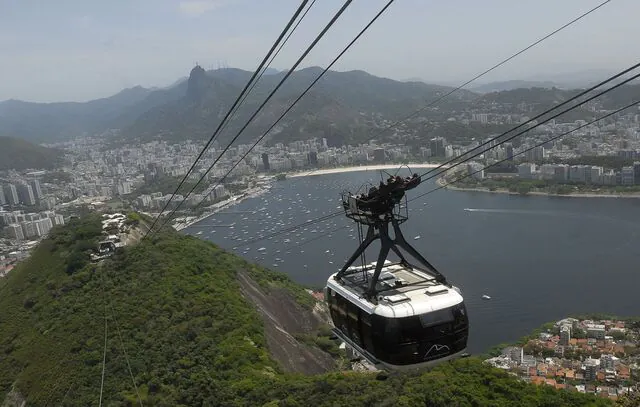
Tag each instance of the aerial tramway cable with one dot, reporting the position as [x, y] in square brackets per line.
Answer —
[236, 103]
[437, 100]
[286, 76]
[529, 148]
[499, 64]
[338, 213]
[548, 111]
[325, 70]
[619, 110]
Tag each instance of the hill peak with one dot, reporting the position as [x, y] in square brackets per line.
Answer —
[197, 83]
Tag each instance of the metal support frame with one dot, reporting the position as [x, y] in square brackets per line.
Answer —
[380, 230]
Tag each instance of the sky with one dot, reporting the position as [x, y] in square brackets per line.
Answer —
[77, 50]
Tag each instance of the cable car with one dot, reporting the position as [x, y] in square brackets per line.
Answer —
[396, 315]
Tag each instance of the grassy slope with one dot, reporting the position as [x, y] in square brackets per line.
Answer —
[191, 339]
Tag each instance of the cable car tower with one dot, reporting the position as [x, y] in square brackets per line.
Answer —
[394, 315]
[383, 206]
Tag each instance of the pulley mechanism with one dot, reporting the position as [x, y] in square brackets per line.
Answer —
[379, 207]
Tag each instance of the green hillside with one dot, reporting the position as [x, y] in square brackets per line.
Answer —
[180, 329]
[21, 155]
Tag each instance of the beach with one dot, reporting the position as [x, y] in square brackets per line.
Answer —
[359, 168]
[179, 223]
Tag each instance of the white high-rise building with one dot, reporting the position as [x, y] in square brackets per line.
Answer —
[30, 229]
[44, 226]
[590, 369]
[565, 335]
[526, 170]
[15, 231]
[607, 362]
[476, 169]
[58, 220]
[11, 194]
[37, 190]
[25, 192]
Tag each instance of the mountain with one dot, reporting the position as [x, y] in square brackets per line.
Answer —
[21, 155]
[343, 107]
[414, 79]
[271, 71]
[192, 107]
[49, 122]
[511, 85]
[176, 321]
[336, 107]
[574, 80]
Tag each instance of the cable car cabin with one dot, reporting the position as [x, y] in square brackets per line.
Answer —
[416, 322]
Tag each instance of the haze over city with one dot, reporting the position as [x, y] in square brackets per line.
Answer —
[75, 50]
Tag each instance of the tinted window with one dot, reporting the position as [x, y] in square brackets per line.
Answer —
[410, 340]
[353, 316]
[436, 317]
[367, 332]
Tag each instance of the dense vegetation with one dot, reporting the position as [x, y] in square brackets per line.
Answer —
[525, 186]
[179, 328]
[21, 155]
[167, 185]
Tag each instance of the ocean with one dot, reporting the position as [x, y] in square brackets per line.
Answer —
[539, 258]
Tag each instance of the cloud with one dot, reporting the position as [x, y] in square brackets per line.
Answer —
[195, 8]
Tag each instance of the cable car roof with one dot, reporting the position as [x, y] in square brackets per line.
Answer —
[402, 291]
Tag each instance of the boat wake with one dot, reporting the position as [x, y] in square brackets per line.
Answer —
[514, 211]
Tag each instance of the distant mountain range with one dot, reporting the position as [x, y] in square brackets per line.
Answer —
[335, 108]
[341, 107]
[48, 122]
[191, 108]
[511, 85]
[21, 155]
[565, 80]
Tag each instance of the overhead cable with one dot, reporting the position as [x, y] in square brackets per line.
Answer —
[499, 64]
[288, 74]
[236, 103]
[546, 112]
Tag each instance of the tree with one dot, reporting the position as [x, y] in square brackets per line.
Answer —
[579, 333]
[77, 260]
[523, 189]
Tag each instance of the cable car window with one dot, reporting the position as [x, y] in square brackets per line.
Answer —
[442, 316]
[353, 317]
[367, 332]
[460, 315]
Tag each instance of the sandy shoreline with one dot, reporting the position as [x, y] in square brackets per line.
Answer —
[358, 168]
[180, 224]
[441, 182]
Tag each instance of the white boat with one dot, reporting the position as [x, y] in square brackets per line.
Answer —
[262, 249]
[417, 237]
[485, 297]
